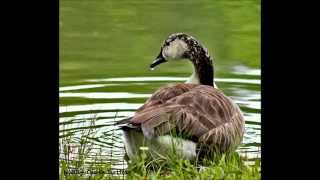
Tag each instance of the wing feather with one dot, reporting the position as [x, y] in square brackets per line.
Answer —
[203, 112]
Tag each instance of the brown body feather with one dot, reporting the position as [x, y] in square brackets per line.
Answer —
[204, 113]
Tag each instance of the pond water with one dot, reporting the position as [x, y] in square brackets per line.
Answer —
[107, 46]
[112, 106]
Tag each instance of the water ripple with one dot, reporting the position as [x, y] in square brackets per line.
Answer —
[99, 106]
[105, 95]
[164, 78]
[109, 137]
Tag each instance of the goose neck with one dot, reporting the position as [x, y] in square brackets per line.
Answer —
[203, 70]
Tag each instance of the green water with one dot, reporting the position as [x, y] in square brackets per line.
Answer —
[106, 47]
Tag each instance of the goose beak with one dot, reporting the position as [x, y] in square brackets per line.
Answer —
[159, 60]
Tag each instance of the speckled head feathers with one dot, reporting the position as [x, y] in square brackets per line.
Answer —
[181, 45]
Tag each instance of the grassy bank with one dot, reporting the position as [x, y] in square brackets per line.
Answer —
[226, 166]
[80, 160]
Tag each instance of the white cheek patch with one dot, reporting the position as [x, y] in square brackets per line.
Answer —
[175, 50]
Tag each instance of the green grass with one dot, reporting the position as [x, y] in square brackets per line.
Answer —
[75, 152]
[79, 163]
[226, 166]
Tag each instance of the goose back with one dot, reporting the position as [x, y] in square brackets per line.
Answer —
[202, 113]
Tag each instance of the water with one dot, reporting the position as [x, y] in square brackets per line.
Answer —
[118, 105]
[106, 48]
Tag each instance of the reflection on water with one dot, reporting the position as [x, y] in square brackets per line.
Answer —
[68, 88]
[130, 79]
[246, 71]
[111, 102]
[101, 95]
[104, 106]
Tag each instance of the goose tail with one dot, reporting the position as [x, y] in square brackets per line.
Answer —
[125, 125]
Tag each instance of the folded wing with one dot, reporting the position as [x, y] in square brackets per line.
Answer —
[202, 113]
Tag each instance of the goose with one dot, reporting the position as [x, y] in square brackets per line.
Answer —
[203, 119]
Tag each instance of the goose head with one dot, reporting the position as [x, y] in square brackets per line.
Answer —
[175, 47]
[180, 46]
